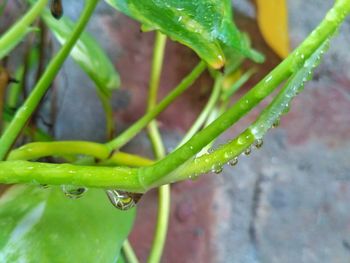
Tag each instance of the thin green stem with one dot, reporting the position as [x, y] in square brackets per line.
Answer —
[127, 135]
[150, 175]
[143, 179]
[228, 153]
[36, 150]
[159, 150]
[129, 252]
[200, 121]
[16, 33]
[23, 114]
[106, 105]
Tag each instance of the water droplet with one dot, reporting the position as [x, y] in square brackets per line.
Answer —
[233, 162]
[123, 200]
[276, 123]
[56, 8]
[217, 168]
[248, 151]
[259, 143]
[73, 192]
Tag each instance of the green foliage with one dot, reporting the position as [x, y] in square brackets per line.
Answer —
[11, 38]
[87, 53]
[42, 225]
[206, 26]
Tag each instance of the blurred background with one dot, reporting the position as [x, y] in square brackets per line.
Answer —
[287, 202]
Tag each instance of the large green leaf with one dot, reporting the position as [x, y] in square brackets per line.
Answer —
[42, 225]
[206, 26]
[87, 53]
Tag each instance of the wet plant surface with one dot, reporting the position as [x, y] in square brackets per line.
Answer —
[256, 205]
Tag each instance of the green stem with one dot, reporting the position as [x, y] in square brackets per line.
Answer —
[23, 114]
[106, 105]
[159, 150]
[127, 135]
[142, 179]
[229, 152]
[129, 252]
[200, 121]
[15, 34]
[36, 150]
[150, 175]
[14, 172]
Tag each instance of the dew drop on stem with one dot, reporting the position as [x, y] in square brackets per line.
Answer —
[247, 151]
[56, 8]
[73, 192]
[217, 168]
[123, 200]
[276, 123]
[259, 143]
[233, 162]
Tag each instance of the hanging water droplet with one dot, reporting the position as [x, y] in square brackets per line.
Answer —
[56, 8]
[248, 151]
[233, 162]
[259, 143]
[123, 200]
[217, 168]
[276, 123]
[73, 192]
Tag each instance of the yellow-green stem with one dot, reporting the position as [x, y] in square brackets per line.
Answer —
[159, 150]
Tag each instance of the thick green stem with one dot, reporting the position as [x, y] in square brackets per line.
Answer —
[159, 150]
[150, 175]
[142, 179]
[127, 135]
[15, 172]
[23, 114]
[15, 34]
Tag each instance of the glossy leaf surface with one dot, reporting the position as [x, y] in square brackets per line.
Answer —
[87, 53]
[206, 26]
[42, 225]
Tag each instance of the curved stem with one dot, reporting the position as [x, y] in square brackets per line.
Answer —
[36, 150]
[127, 135]
[150, 175]
[159, 150]
[143, 179]
[129, 252]
[15, 34]
[23, 114]
[107, 108]
[200, 121]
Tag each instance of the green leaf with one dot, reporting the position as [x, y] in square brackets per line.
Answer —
[206, 26]
[42, 225]
[87, 53]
